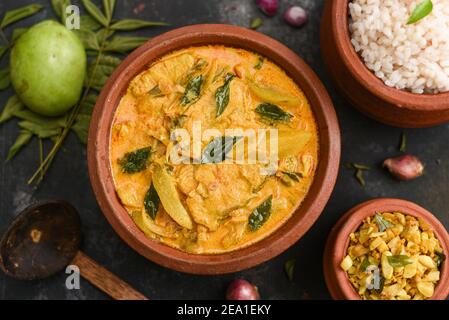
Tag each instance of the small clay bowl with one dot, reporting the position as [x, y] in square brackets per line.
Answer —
[287, 234]
[363, 89]
[337, 243]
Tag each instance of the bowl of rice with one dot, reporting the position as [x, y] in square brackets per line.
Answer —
[390, 58]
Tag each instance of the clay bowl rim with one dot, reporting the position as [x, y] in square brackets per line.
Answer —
[337, 281]
[312, 206]
[354, 64]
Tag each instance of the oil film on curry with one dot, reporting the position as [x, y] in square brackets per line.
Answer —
[212, 149]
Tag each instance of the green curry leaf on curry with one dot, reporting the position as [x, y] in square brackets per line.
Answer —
[135, 161]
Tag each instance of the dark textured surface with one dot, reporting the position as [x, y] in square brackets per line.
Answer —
[364, 141]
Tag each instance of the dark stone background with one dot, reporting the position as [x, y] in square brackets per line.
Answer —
[364, 140]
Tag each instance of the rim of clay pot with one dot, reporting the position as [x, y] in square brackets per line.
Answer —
[337, 243]
[356, 66]
[286, 235]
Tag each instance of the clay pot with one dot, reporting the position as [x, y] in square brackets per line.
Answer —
[287, 234]
[363, 89]
[337, 243]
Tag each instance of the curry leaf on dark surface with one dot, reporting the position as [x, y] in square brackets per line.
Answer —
[272, 112]
[3, 49]
[135, 161]
[192, 91]
[260, 215]
[382, 223]
[89, 23]
[12, 105]
[151, 202]
[99, 73]
[39, 130]
[22, 140]
[95, 12]
[289, 268]
[134, 24]
[88, 38]
[17, 32]
[59, 7]
[5, 80]
[256, 23]
[403, 143]
[399, 261]
[109, 6]
[123, 44]
[103, 34]
[222, 95]
[357, 166]
[217, 150]
[18, 14]
[81, 127]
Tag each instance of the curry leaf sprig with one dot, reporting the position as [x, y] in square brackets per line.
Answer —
[103, 46]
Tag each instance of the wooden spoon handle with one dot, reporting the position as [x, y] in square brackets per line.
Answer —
[104, 280]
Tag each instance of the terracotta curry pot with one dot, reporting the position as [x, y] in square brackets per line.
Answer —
[337, 243]
[363, 89]
[282, 238]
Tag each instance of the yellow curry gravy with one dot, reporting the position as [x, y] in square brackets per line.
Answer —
[210, 208]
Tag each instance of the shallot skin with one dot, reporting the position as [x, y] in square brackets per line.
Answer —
[241, 289]
[406, 167]
[295, 16]
[269, 7]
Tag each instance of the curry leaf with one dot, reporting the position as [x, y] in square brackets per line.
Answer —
[134, 24]
[399, 261]
[193, 90]
[108, 6]
[95, 12]
[256, 23]
[441, 257]
[382, 223]
[5, 80]
[19, 14]
[135, 161]
[289, 268]
[365, 264]
[151, 202]
[259, 63]
[260, 215]
[38, 120]
[39, 130]
[3, 49]
[89, 23]
[123, 44]
[217, 150]
[222, 95]
[403, 144]
[99, 73]
[22, 140]
[17, 32]
[89, 39]
[12, 105]
[103, 34]
[59, 7]
[81, 127]
[88, 104]
[422, 10]
[272, 112]
[380, 286]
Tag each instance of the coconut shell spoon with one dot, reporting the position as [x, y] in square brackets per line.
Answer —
[45, 238]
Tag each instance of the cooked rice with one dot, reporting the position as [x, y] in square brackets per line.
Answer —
[410, 57]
